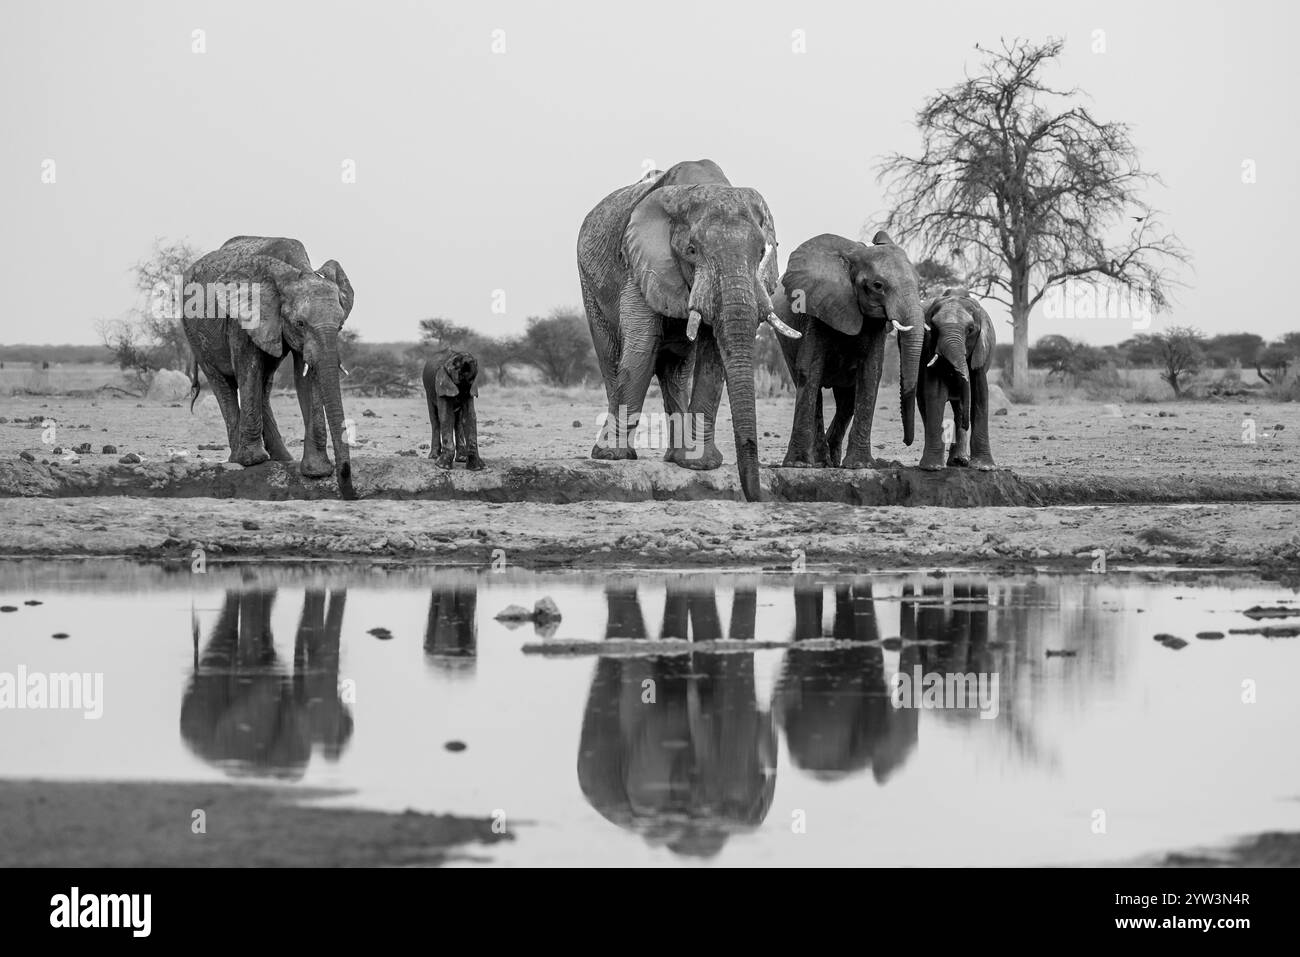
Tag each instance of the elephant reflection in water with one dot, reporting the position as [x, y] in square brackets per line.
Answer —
[450, 639]
[834, 705]
[957, 618]
[676, 747]
[245, 711]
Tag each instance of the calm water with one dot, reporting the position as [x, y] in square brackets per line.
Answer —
[792, 754]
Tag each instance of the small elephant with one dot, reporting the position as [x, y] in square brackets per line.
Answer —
[959, 343]
[449, 387]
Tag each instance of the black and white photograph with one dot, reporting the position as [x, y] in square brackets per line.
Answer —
[692, 435]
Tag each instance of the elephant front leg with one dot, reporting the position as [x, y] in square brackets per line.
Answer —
[981, 452]
[315, 442]
[934, 396]
[805, 431]
[858, 455]
[959, 453]
[469, 435]
[700, 450]
[640, 332]
[250, 449]
[446, 457]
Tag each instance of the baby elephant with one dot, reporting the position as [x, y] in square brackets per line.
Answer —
[954, 367]
[449, 387]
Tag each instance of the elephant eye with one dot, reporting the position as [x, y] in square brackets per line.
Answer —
[690, 249]
[878, 285]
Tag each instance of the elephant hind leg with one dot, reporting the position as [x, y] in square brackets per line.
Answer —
[226, 389]
[435, 443]
[270, 428]
[674, 369]
[845, 397]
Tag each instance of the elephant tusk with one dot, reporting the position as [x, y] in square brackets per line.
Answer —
[932, 361]
[306, 368]
[693, 325]
[899, 326]
[782, 328]
[343, 370]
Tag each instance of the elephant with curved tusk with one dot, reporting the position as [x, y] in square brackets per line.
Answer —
[959, 343]
[290, 307]
[677, 271]
[846, 297]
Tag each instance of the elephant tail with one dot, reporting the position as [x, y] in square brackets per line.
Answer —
[192, 370]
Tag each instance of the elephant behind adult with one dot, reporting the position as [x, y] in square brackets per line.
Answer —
[677, 270]
[959, 343]
[845, 297]
[301, 310]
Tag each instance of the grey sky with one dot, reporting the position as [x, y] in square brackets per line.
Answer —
[474, 169]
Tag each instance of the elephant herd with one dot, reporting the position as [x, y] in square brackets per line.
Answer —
[677, 273]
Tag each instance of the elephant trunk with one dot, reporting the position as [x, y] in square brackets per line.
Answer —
[953, 349]
[907, 312]
[332, 397]
[734, 329]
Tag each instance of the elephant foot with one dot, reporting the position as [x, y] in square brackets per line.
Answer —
[315, 464]
[983, 463]
[932, 461]
[445, 460]
[858, 460]
[613, 453]
[461, 456]
[282, 455]
[474, 463]
[249, 455]
[700, 460]
[794, 461]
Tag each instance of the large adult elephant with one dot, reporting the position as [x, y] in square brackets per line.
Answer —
[301, 310]
[845, 296]
[677, 271]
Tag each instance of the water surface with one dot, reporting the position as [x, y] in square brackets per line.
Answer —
[703, 750]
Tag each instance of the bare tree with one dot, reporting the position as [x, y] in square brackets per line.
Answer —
[1027, 190]
[1176, 351]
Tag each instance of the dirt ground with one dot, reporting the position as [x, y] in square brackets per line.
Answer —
[152, 825]
[537, 424]
[1176, 440]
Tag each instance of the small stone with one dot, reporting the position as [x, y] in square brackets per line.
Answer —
[57, 450]
[383, 634]
[368, 414]
[1279, 428]
[130, 459]
[514, 613]
[27, 456]
[8, 607]
[577, 423]
[3, 420]
[1000, 412]
[1172, 642]
[60, 635]
[455, 746]
[1209, 635]
[109, 450]
[31, 602]
[1060, 653]
[83, 448]
[546, 610]
[251, 525]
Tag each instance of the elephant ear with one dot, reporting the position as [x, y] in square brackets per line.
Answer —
[819, 269]
[648, 250]
[272, 278]
[332, 271]
[647, 247]
[444, 383]
[985, 340]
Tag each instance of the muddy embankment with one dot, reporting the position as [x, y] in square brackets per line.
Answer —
[563, 482]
